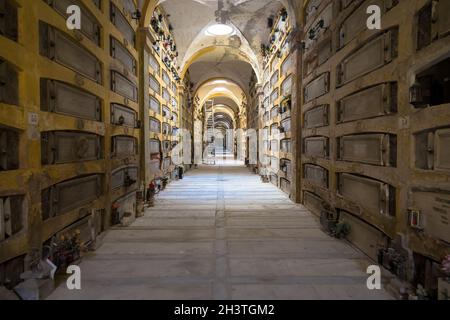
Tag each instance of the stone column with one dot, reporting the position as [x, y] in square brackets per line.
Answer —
[296, 50]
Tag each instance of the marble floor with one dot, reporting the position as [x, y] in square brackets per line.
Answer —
[220, 233]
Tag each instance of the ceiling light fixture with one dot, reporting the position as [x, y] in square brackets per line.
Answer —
[219, 82]
[219, 29]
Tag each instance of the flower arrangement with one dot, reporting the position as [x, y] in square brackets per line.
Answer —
[445, 267]
[444, 282]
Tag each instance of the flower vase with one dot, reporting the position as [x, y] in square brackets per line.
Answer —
[444, 289]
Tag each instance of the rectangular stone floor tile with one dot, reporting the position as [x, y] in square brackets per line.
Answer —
[236, 233]
[175, 248]
[133, 269]
[114, 291]
[273, 292]
[296, 267]
[156, 235]
[302, 247]
[181, 222]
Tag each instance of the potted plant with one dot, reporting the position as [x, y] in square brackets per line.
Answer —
[151, 191]
[342, 230]
[164, 180]
[444, 282]
[328, 221]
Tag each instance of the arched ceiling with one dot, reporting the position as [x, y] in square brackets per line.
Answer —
[235, 56]
[224, 109]
[224, 119]
[224, 62]
[227, 102]
[223, 92]
[190, 17]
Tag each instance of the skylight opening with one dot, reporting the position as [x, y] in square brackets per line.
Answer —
[219, 30]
